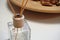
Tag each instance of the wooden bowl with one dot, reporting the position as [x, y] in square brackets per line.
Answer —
[36, 6]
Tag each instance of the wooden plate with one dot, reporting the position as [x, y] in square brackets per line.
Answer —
[36, 6]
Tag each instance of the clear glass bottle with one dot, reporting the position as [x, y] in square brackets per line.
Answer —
[19, 33]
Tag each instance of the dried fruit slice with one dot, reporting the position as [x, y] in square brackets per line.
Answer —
[54, 1]
[58, 4]
[46, 2]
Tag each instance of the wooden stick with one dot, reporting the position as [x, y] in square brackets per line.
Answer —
[16, 34]
[22, 8]
[11, 7]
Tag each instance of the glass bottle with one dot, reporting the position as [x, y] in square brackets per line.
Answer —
[19, 29]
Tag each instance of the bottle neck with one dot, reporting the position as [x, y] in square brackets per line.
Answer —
[18, 21]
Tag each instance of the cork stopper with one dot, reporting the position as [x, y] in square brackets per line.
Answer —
[18, 21]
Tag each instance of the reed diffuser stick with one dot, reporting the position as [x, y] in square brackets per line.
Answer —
[16, 34]
[11, 7]
[14, 15]
[23, 7]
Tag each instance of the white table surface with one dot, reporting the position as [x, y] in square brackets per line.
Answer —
[49, 29]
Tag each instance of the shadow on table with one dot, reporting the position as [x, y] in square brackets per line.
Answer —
[42, 17]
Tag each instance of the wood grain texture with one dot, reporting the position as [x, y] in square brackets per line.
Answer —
[36, 6]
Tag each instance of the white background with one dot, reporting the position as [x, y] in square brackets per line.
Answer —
[39, 31]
